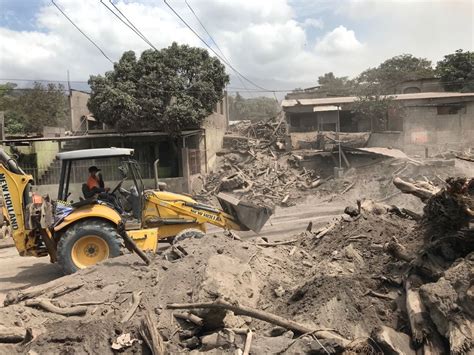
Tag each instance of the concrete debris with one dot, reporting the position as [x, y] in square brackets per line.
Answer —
[123, 341]
[259, 169]
[378, 281]
[254, 166]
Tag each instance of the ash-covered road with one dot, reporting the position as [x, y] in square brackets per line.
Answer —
[18, 272]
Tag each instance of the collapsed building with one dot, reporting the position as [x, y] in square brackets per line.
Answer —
[427, 123]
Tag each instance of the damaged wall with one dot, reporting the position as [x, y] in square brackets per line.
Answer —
[441, 127]
[215, 127]
[438, 122]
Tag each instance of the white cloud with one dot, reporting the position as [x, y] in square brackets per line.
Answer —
[270, 41]
[338, 41]
[313, 22]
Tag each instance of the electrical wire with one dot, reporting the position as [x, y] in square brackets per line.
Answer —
[213, 51]
[130, 24]
[86, 36]
[230, 89]
[161, 90]
[125, 23]
[213, 41]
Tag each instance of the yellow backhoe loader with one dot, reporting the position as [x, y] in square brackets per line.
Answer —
[79, 234]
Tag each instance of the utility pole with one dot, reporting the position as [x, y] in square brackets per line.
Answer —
[2, 125]
[70, 100]
[338, 127]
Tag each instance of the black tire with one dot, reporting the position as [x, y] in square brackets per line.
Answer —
[188, 233]
[101, 231]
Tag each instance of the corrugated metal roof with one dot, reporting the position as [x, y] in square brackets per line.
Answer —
[350, 99]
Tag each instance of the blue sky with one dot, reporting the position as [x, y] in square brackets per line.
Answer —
[19, 15]
[277, 43]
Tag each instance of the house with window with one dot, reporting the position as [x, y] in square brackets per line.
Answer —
[177, 160]
[414, 86]
[433, 121]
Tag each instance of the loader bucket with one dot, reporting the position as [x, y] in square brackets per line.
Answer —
[247, 215]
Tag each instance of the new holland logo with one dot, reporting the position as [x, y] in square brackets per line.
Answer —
[206, 215]
[8, 202]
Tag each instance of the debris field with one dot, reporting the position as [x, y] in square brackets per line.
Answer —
[381, 279]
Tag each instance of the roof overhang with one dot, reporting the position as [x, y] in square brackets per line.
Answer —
[340, 100]
[101, 135]
[326, 108]
[97, 153]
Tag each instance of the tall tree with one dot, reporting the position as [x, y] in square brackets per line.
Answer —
[384, 78]
[169, 89]
[376, 109]
[336, 86]
[29, 110]
[456, 71]
[254, 109]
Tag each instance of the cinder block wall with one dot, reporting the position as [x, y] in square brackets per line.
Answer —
[424, 127]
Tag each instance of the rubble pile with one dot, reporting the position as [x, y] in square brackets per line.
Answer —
[266, 131]
[379, 279]
[257, 169]
[261, 171]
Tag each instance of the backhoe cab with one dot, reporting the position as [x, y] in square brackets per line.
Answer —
[79, 230]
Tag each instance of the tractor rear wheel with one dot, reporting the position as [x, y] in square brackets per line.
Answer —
[87, 243]
[188, 233]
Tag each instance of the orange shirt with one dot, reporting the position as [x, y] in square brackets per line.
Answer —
[92, 181]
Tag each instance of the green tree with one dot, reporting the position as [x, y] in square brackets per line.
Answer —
[384, 78]
[170, 89]
[254, 109]
[42, 105]
[29, 110]
[376, 109]
[456, 71]
[336, 86]
[13, 123]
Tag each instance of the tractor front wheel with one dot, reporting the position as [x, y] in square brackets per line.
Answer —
[87, 243]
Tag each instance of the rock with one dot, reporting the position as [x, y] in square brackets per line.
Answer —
[308, 345]
[216, 340]
[352, 254]
[351, 211]
[393, 342]
[346, 218]
[269, 345]
[230, 279]
[450, 303]
[280, 291]
[275, 332]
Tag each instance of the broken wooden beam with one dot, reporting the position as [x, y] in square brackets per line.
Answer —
[150, 334]
[262, 315]
[46, 305]
[136, 298]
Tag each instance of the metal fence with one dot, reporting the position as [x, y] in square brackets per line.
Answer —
[80, 171]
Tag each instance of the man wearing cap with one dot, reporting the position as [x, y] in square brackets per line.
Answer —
[95, 182]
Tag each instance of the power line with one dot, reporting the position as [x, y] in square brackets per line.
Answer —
[90, 40]
[205, 29]
[213, 41]
[213, 51]
[129, 24]
[46, 80]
